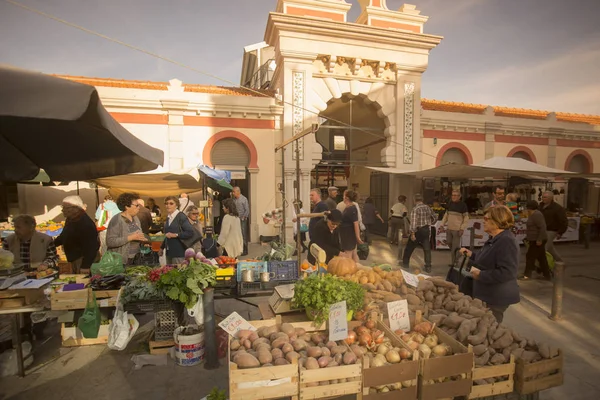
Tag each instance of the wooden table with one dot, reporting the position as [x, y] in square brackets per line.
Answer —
[16, 312]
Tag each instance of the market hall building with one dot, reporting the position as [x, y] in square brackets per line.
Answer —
[361, 82]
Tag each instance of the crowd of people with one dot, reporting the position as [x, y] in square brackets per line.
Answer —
[122, 226]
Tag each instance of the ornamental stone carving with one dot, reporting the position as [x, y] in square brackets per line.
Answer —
[409, 94]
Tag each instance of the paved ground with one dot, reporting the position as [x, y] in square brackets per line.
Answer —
[98, 373]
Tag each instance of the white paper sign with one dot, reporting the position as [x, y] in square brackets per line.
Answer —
[103, 303]
[398, 314]
[235, 323]
[338, 322]
[410, 279]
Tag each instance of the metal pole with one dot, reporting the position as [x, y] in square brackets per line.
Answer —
[472, 238]
[557, 295]
[211, 359]
[297, 208]
[283, 213]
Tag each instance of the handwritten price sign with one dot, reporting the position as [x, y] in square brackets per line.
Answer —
[410, 279]
[235, 323]
[338, 323]
[398, 313]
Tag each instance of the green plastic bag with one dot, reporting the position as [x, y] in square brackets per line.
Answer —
[89, 322]
[110, 264]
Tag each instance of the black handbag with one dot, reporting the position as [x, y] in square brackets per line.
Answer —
[459, 274]
[189, 242]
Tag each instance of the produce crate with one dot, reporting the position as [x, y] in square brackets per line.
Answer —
[265, 382]
[256, 266]
[533, 377]
[390, 374]
[494, 371]
[226, 278]
[147, 306]
[255, 288]
[160, 346]
[283, 270]
[77, 299]
[73, 337]
[65, 267]
[461, 362]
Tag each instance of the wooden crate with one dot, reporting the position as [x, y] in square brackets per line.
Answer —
[461, 362]
[160, 346]
[353, 385]
[494, 371]
[389, 374]
[262, 383]
[77, 299]
[21, 297]
[527, 376]
[72, 336]
[78, 278]
[65, 267]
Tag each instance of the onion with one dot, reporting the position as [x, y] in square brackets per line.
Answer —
[425, 350]
[378, 362]
[359, 315]
[431, 341]
[361, 330]
[404, 354]
[370, 324]
[399, 332]
[392, 357]
[351, 337]
[365, 339]
[382, 349]
[413, 345]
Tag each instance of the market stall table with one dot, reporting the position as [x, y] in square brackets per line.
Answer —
[16, 313]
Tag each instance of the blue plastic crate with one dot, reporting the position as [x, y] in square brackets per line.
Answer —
[283, 270]
[256, 266]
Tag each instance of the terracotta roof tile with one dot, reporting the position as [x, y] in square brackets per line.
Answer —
[149, 85]
[451, 106]
[467, 108]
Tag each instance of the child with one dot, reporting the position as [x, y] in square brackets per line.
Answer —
[513, 206]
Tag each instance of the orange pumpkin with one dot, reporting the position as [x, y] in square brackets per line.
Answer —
[341, 266]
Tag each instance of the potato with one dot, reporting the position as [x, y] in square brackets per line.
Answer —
[314, 351]
[244, 334]
[312, 363]
[292, 357]
[263, 346]
[276, 353]
[264, 357]
[287, 347]
[338, 350]
[246, 361]
[253, 336]
[260, 341]
[235, 344]
[281, 361]
[288, 329]
[300, 331]
[324, 361]
[325, 351]
[278, 343]
[299, 344]
[349, 358]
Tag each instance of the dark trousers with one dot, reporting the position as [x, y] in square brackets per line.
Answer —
[397, 224]
[498, 312]
[217, 225]
[368, 232]
[302, 240]
[421, 239]
[536, 253]
[245, 234]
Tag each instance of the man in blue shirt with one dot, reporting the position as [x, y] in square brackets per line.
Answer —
[319, 206]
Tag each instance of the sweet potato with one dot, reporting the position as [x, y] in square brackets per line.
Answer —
[529, 356]
[477, 303]
[479, 349]
[476, 312]
[553, 352]
[453, 321]
[463, 330]
[482, 359]
[429, 296]
[480, 336]
[425, 285]
[391, 297]
[504, 341]
[499, 333]
[439, 282]
[544, 350]
[518, 353]
[498, 358]
[457, 296]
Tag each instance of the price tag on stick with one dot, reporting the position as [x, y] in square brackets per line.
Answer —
[235, 323]
[398, 314]
[410, 279]
[338, 322]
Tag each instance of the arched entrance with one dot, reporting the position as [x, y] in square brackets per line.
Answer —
[523, 153]
[454, 153]
[352, 135]
[579, 161]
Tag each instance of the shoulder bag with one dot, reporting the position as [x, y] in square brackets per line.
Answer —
[189, 242]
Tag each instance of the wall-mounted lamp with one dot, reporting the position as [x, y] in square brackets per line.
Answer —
[435, 141]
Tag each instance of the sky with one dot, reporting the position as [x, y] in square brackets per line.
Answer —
[539, 54]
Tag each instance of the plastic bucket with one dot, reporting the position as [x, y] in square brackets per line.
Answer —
[189, 349]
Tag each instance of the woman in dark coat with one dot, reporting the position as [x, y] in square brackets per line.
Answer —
[177, 227]
[496, 264]
[349, 228]
[326, 236]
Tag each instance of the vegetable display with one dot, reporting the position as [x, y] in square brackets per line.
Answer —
[320, 291]
[278, 252]
[284, 345]
[186, 284]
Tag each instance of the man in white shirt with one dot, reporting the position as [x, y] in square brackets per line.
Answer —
[243, 209]
[397, 217]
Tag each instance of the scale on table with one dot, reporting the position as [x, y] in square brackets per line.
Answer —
[12, 276]
[281, 299]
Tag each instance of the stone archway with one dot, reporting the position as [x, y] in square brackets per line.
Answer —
[522, 152]
[579, 161]
[378, 94]
[457, 147]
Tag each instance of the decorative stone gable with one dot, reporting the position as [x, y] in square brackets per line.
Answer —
[375, 13]
[335, 10]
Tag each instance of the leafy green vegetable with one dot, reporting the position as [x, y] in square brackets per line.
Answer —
[186, 284]
[216, 394]
[139, 288]
[279, 252]
[318, 292]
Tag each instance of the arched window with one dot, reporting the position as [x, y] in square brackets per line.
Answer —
[580, 164]
[522, 154]
[454, 156]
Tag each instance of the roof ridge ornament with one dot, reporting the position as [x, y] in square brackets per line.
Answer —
[376, 13]
[336, 10]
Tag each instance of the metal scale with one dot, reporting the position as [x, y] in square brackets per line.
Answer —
[12, 276]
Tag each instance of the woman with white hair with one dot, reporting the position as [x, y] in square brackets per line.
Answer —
[79, 237]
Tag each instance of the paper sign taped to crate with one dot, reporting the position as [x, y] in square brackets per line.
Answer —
[235, 323]
[338, 321]
[255, 384]
[398, 314]
[410, 279]
[103, 303]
